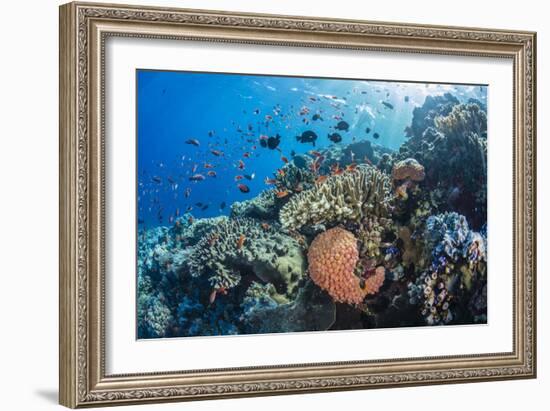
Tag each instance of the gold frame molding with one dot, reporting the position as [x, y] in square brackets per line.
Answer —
[84, 27]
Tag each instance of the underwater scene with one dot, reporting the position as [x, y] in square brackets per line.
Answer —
[276, 204]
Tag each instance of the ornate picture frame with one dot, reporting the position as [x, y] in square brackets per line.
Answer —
[84, 29]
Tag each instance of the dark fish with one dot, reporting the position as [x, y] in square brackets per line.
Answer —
[199, 204]
[292, 153]
[244, 188]
[367, 130]
[406, 99]
[171, 180]
[211, 133]
[376, 135]
[342, 125]
[387, 105]
[257, 111]
[363, 92]
[307, 137]
[250, 176]
[317, 117]
[196, 177]
[335, 137]
[222, 205]
[193, 142]
[204, 207]
[140, 221]
[156, 179]
[273, 142]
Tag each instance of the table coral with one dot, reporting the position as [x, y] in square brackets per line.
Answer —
[350, 196]
[332, 257]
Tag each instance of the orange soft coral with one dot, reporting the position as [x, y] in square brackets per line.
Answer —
[408, 169]
[332, 257]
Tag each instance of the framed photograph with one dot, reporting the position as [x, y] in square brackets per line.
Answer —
[258, 204]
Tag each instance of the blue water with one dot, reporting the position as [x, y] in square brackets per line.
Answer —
[227, 113]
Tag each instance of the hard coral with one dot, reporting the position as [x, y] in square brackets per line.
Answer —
[408, 169]
[347, 197]
[242, 245]
[332, 257]
[373, 283]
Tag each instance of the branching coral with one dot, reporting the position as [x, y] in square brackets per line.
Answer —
[350, 196]
[245, 245]
[332, 257]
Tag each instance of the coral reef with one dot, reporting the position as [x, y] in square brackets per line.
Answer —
[365, 191]
[449, 140]
[347, 236]
[457, 272]
[241, 244]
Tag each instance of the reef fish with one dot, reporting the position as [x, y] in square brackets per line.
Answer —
[196, 177]
[317, 117]
[244, 188]
[387, 105]
[211, 173]
[307, 137]
[367, 130]
[222, 205]
[193, 142]
[342, 125]
[406, 99]
[335, 137]
[217, 153]
[376, 135]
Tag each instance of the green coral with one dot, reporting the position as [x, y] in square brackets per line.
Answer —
[347, 197]
[243, 245]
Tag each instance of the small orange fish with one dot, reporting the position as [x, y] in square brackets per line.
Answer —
[336, 170]
[246, 155]
[285, 160]
[281, 194]
[238, 178]
[351, 167]
[240, 241]
[211, 173]
[315, 153]
[265, 226]
[281, 172]
[208, 165]
[270, 181]
[321, 179]
[194, 169]
[240, 166]
[217, 153]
